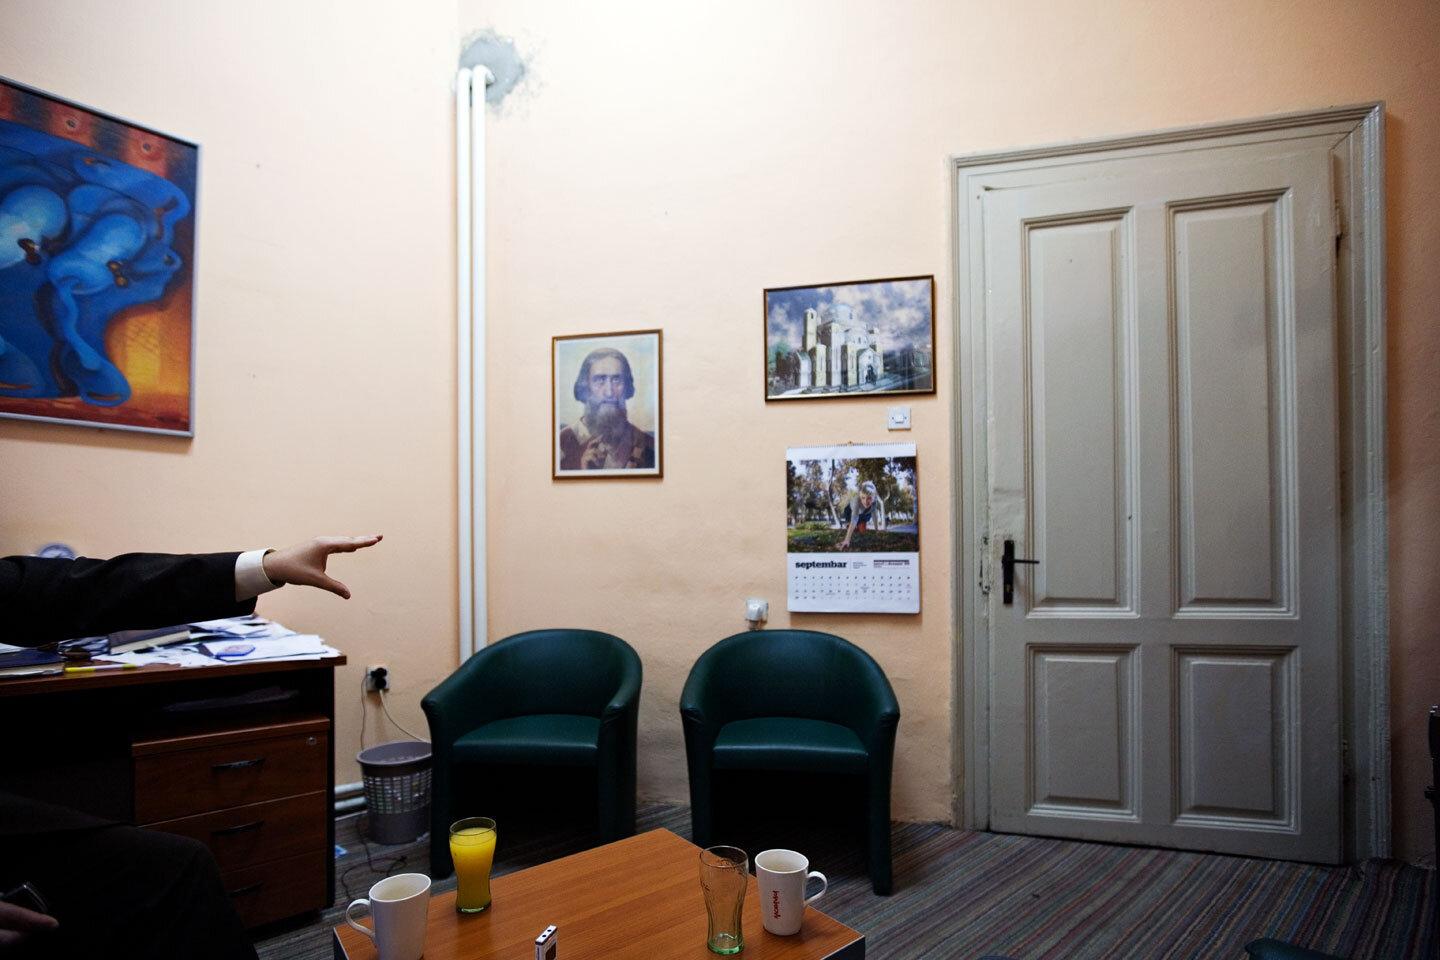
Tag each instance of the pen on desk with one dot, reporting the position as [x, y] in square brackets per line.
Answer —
[103, 666]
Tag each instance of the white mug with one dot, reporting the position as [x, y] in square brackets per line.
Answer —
[780, 876]
[399, 906]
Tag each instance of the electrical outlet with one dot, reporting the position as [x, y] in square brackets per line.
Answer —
[756, 611]
[377, 678]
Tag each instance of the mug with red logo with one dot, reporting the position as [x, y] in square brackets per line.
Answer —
[780, 876]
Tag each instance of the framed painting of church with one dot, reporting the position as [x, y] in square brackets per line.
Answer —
[860, 339]
[97, 219]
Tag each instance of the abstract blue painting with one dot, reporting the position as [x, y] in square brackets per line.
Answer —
[96, 279]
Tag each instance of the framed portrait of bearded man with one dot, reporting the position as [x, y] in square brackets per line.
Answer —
[605, 389]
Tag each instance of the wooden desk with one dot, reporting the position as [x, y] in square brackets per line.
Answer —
[237, 756]
[638, 897]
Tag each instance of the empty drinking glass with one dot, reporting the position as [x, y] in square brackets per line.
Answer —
[724, 873]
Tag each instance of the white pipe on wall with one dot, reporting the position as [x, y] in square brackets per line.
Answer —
[470, 350]
[462, 352]
[481, 78]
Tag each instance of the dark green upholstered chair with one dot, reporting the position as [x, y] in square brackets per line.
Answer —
[566, 698]
[794, 701]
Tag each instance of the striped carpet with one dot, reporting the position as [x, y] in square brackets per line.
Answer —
[964, 895]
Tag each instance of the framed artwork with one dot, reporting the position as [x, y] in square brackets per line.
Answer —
[862, 339]
[97, 267]
[606, 395]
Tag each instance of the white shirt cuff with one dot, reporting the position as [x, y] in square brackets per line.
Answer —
[250, 579]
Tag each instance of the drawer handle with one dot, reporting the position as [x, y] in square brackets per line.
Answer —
[238, 764]
[237, 829]
[244, 890]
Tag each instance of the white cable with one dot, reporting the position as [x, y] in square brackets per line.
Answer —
[363, 712]
[386, 708]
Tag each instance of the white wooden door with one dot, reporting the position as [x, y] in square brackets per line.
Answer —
[1162, 438]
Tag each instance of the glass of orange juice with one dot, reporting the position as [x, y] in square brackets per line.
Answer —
[472, 847]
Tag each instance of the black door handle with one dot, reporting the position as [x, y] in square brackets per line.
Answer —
[1007, 572]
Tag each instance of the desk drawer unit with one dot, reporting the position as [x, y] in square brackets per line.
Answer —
[275, 890]
[178, 777]
[257, 796]
[256, 832]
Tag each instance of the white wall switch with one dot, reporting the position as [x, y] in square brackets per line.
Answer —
[899, 418]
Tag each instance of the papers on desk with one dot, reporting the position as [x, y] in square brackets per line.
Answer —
[296, 646]
[236, 640]
[249, 626]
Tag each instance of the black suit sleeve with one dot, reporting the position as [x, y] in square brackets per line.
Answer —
[46, 598]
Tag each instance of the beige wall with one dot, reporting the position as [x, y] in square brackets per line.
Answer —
[661, 164]
[324, 383]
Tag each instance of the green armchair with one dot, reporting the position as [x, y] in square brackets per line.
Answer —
[792, 700]
[550, 697]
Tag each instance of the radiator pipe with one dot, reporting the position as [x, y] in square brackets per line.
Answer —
[470, 350]
[349, 797]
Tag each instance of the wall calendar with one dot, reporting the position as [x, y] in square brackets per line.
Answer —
[852, 529]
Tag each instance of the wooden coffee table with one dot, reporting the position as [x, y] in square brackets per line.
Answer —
[638, 897]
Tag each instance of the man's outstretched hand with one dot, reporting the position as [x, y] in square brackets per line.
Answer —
[304, 563]
[17, 924]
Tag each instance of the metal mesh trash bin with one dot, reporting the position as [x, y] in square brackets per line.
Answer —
[397, 789]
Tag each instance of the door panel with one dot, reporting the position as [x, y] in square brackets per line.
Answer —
[1084, 702]
[1076, 298]
[1231, 361]
[1162, 400]
[1230, 705]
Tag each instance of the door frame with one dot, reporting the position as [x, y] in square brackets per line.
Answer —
[1359, 171]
